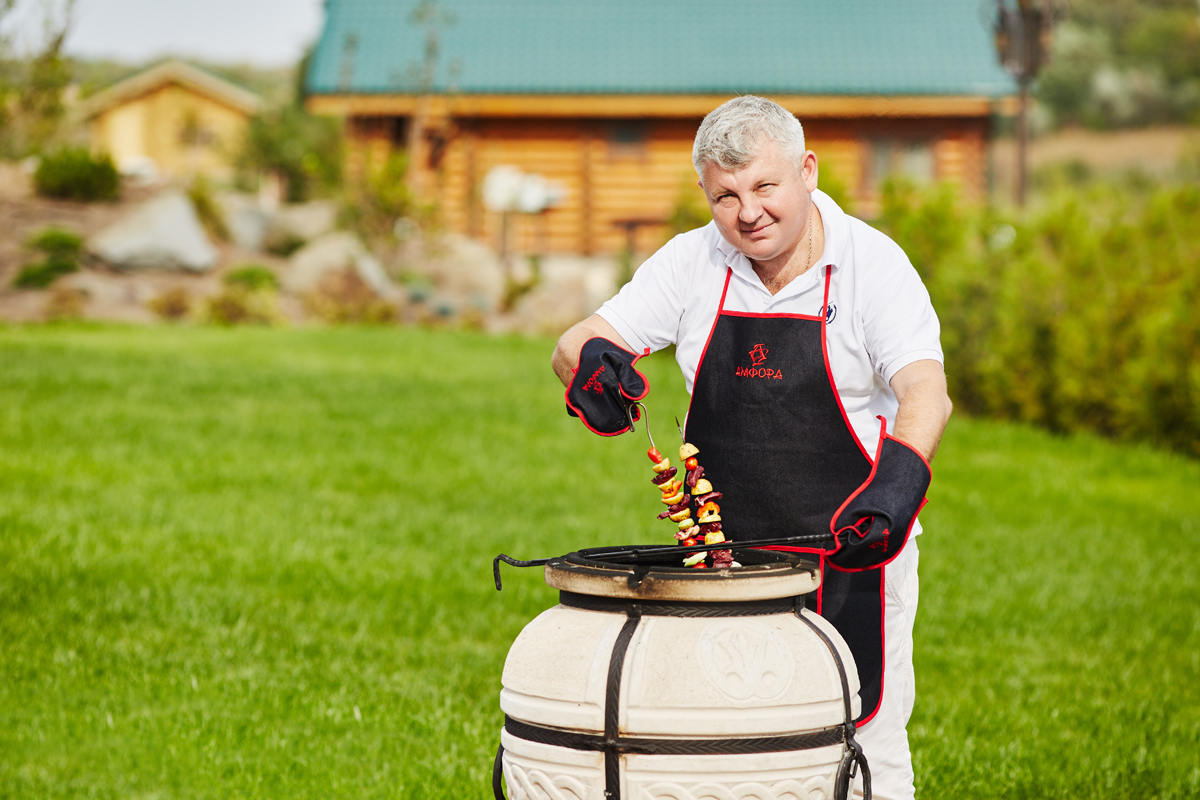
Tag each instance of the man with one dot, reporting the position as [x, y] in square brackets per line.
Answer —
[811, 351]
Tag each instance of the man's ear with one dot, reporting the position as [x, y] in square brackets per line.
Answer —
[809, 171]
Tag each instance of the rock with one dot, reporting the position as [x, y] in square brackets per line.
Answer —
[162, 233]
[301, 221]
[570, 289]
[245, 219]
[458, 267]
[331, 253]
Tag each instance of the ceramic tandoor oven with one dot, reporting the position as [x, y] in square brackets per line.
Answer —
[650, 681]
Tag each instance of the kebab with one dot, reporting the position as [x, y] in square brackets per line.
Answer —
[681, 496]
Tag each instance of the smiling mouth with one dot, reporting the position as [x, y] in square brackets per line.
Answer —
[759, 229]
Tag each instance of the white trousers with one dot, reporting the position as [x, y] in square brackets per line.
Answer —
[885, 738]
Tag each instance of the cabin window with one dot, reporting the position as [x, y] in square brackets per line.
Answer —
[889, 157]
[627, 139]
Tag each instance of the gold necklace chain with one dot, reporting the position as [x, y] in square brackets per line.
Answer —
[808, 263]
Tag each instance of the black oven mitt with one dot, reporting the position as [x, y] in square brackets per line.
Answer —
[604, 383]
[873, 525]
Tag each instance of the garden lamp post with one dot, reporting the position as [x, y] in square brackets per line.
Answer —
[1023, 31]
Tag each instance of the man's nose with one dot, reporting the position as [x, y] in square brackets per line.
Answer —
[750, 210]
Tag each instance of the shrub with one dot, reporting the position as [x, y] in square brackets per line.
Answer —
[73, 173]
[1081, 316]
[41, 274]
[56, 241]
[283, 244]
[344, 297]
[252, 277]
[61, 248]
[65, 303]
[200, 193]
[235, 306]
[173, 304]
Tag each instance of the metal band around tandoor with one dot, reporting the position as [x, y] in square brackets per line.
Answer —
[673, 608]
[826, 737]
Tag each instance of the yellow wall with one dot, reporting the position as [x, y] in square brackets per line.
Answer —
[156, 125]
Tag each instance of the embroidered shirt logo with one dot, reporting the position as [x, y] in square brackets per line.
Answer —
[758, 355]
[830, 313]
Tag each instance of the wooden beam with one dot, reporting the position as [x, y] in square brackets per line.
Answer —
[627, 106]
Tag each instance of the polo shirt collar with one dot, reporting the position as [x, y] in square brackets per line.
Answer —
[836, 226]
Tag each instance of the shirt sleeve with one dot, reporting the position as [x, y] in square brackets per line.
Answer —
[899, 322]
[647, 310]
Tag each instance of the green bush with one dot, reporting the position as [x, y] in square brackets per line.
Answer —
[252, 277]
[73, 173]
[205, 205]
[61, 249]
[283, 243]
[1081, 316]
[236, 306]
[56, 241]
[41, 274]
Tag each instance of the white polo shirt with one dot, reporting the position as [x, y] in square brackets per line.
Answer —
[880, 319]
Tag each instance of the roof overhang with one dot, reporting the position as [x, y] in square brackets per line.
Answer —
[633, 106]
[177, 72]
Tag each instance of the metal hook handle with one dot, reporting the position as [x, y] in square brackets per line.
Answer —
[645, 413]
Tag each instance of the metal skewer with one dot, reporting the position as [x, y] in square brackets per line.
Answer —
[682, 438]
[645, 413]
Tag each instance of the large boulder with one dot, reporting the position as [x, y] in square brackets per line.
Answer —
[301, 222]
[335, 252]
[245, 219]
[162, 233]
[461, 268]
[569, 289]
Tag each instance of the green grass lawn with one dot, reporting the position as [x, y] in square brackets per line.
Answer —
[256, 563]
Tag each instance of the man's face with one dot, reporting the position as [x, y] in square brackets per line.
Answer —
[762, 208]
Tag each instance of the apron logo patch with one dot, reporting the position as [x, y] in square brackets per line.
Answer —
[830, 313]
[758, 355]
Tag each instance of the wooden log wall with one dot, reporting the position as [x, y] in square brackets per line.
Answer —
[614, 170]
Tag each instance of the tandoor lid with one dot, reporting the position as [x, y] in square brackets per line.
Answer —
[620, 572]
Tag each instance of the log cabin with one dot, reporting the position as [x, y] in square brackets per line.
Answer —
[604, 98]
[174, 117]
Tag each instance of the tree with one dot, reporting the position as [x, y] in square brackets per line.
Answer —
[303, 151]
[37, 83]
[1125, 62]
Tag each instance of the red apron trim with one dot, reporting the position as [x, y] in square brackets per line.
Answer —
[829, 369]
[770, 316]
[707, 342]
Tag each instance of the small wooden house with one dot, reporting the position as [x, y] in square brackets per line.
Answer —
[604, 98]
[175, 118]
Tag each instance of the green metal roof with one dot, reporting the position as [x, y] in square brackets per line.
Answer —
[835, 47]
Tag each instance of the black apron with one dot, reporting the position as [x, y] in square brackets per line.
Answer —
[775, 441]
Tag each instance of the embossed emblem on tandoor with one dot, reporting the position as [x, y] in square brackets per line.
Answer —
[745, 659]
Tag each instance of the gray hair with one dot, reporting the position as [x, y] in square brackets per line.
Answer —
[729, 136]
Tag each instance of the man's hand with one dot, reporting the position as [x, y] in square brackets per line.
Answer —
[872, 526]
[565, 360]
[874, 523]
[603, 386]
